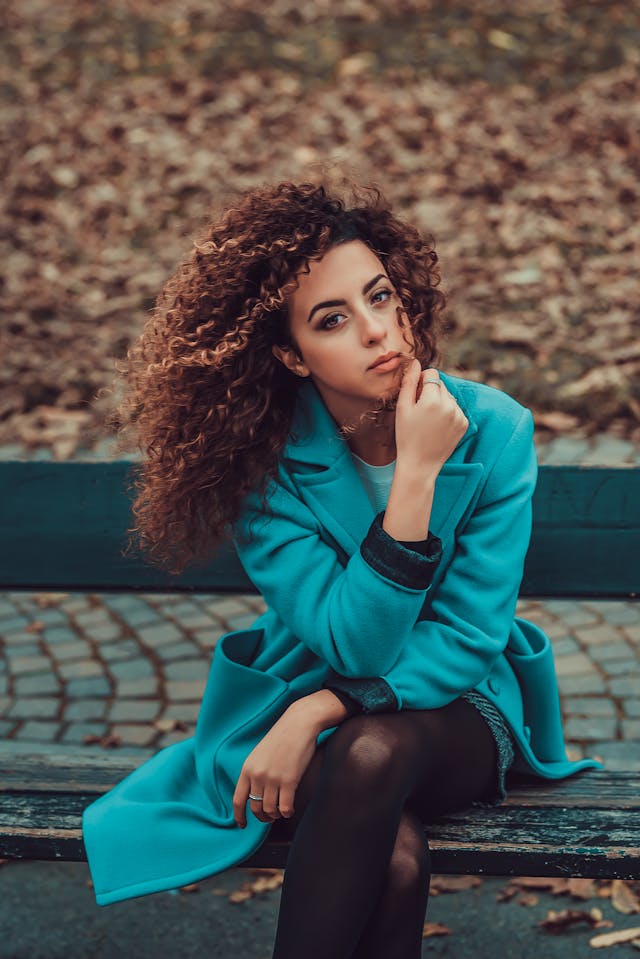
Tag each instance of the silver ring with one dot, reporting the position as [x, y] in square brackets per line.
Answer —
[259, 798]
[437, 382]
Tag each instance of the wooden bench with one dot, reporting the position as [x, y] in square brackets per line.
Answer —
[62, 526]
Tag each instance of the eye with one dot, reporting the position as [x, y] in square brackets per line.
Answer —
[327, 324]
[384, 293]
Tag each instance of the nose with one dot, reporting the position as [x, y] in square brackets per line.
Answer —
[372, 326]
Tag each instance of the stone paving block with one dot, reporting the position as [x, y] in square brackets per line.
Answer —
[62, 652]
[609, 450]
[588, 706]
[225, 608]
[104, 632]
[575, 664]
[75, 732]
[186, 669]
[631, 706]
[30, 664]
[577, 616]
[13, 624]
[147, 686]
[160, 634]
[605, 607]
[625, 685]
[133, 710]
[136, 613]
[185, 650]
[183, 690]
[593, 635]
[631, 632]
[50, 615]
[130, 669]
[59, 634]
[577, 685]
[94, 616]
[567, 644]
[13, 641]
[242, 622]
[184, 712]
[84, 709]
[39, 684]
[83, 688]
[5, 703]
[122, 649]
[208, 638]
[4, 684]
[620, 667]
[76, 604]
[7, 607]
[630, 728]
[80, 669]
[604, 652]
[628, 614]
[617, 755]
[563, 450]
[6, 730]
[37, 731]
[184, 608]
[590, 728]
[23, 651]
[175, 736]
[35, 708]
[136, 735]
[200, 620]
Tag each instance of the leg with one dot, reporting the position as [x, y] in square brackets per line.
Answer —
[344, 842]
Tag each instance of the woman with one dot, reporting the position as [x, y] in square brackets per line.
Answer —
[285, 390]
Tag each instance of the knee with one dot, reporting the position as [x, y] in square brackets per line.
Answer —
[366, 758]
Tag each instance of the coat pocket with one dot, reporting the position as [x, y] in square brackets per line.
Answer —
[530, 655]
[239, 706]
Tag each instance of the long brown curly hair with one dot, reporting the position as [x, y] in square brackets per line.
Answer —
[209, 405]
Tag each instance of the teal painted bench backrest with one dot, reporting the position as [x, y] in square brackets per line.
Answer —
[63, 526]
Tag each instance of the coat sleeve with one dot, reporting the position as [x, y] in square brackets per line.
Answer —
[356, 617]
[474, 604]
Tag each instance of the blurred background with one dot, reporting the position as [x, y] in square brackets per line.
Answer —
[509, 131]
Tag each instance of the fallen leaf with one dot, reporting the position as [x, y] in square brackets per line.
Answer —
[623, 897]
[190, 887]
[557, 922]
[612, 938]
[435, 929]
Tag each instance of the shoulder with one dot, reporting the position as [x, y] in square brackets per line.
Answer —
[490, 408]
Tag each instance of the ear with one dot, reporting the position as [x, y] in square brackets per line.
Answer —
[290, 359]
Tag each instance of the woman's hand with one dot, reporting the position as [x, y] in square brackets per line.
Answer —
[429, 422]
[275, 767]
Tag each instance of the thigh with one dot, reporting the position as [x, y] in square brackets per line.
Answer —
[463, 763]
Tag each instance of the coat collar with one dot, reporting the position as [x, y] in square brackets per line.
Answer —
[334, 490]
[315, 439]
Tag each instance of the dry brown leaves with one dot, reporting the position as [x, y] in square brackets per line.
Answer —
[116, 151]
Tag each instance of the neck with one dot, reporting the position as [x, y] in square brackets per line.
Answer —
[374, 442]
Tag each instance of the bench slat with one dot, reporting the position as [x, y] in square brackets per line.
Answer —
[585, 541]
[587, 825]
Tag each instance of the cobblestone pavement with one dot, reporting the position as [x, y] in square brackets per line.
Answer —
[127, 671]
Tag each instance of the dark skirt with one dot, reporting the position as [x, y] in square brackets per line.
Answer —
[504, 742]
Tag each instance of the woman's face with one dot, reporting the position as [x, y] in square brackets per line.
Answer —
[343, 318]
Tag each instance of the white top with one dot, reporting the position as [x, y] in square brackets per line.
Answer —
[376, 481]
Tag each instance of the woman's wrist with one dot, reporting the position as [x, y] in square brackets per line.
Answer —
[408, 509]
[321, 710]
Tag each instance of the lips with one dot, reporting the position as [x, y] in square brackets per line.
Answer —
[384, 359]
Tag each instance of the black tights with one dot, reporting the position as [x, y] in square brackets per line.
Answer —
[357, 878]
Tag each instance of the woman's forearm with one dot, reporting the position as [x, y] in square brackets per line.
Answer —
[408, 510]
[321, 710]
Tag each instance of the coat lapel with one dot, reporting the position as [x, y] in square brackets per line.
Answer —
[321, 466]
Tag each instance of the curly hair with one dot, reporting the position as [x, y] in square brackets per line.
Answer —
[210, 406]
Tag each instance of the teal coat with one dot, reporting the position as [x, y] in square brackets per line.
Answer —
[348, 605]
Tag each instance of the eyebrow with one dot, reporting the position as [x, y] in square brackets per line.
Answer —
[327, 303]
